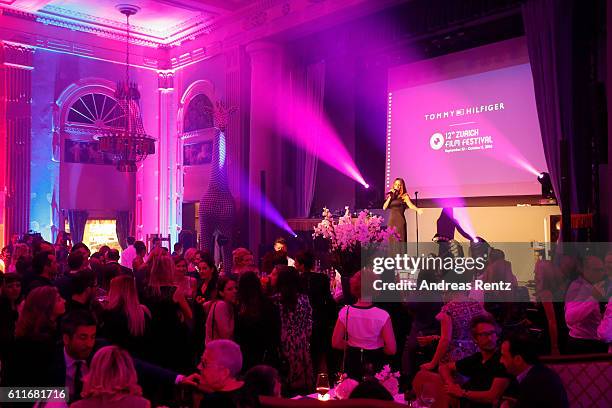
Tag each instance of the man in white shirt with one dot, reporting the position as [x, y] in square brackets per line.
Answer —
[129, 253]
[582, 311]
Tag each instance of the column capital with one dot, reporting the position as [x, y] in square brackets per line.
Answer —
[260, 49]
[17, 55]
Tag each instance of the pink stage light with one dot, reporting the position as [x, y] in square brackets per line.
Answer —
[522, 163]
[260, 203]
[310, 130]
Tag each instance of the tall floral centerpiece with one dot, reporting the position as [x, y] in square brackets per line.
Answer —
[347, 236]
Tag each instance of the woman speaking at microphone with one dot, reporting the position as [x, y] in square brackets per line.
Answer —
[397, 201]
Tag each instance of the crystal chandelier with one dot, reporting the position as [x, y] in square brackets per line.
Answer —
[131, 144]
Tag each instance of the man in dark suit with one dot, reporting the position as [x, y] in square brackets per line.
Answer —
[79, 346]
[111, 269]
[538, 385]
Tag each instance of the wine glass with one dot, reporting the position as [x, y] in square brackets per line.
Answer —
[428, 395]
[323, 386]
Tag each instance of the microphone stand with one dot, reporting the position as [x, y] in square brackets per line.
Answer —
[416, 203]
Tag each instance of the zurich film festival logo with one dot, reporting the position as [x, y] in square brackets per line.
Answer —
[436, 141]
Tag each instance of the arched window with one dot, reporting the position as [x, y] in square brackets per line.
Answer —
[96, 110]
[198, 114]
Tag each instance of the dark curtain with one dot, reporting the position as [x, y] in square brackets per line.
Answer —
[548, 25]
[123, 227]
[77, 220]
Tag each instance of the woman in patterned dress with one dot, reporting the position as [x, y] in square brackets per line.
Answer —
[456, 340]
[296, 330]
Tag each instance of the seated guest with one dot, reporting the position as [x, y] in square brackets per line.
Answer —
[220, 312]
[371, 389]
[582, 312]
[366, 332]
[124, 321]
[219, 368]
[262, 380]
[538, 385]
[487, 377]
[111, 382]
[30, 359]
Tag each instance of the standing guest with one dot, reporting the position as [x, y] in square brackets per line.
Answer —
[257, 322]
[129, 253]
[550, 291]
[280, 245]
[178, 249]
[170, 313]
[44, 270]
[456, 341]
[141, 252]
[487, 377]
[10, 296]
[20, 251]
[270, 286]
[582, 311]
[187, 284]
[189, 256]
[111, 269]
[365, 332]
[30, 359]
[423, 307]
[83, 290]
[125, 322]
[76, 263]
[242, 261]
[112, 382]
[63, 243]
[220, 312]
[296, 332]
[538, 385]
[398, 201]
[207, 279]
[316, 285]
[103, 251]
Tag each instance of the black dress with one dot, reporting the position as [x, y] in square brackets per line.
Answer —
[397, 218]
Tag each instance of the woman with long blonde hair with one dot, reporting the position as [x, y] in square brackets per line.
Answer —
[170, 314]
[111, 382]
[125, 321]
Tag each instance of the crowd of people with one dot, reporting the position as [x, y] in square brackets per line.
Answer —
[168, 328]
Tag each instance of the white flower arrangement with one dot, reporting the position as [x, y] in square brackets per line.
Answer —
[389, 379]
[347, 234]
